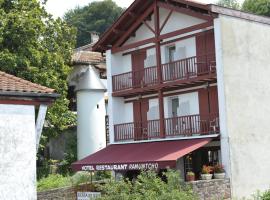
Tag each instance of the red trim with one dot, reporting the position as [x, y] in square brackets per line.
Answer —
[162, 37]
[135, 25]
[148, 26]
[24, 102]
[184, 11]
[165, 21]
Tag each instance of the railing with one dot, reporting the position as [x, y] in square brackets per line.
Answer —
[184, 126]
[182, 69]
[188, 68]
[135, 79]
[192, 125]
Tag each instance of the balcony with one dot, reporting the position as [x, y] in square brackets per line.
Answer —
[176, 127]
[188, 70]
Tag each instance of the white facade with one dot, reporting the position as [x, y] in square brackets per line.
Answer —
[17, 152]
[91, 111]
[244, 93]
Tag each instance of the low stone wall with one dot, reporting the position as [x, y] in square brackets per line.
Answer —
[215, 189]
[67, 193]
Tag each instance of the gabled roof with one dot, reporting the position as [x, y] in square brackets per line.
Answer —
[138, 7]
[13, 86]
[89, 57]
[131, 15]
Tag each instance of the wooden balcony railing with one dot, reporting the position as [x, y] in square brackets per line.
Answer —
[135, 79]
[184, 126]
[178, 70]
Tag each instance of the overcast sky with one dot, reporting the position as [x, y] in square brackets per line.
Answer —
[58, 7]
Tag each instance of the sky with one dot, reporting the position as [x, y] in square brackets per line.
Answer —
[58, 7]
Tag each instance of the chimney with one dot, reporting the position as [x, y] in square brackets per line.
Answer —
[94, 36]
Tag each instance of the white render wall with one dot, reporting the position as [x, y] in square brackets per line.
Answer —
[177, 21]
[244, 94]
[17, 152]
[91, 111]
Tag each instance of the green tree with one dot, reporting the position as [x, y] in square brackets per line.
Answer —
[148, 186]
[229, 4]
[259, 7]
[97, 16]
[38, 48]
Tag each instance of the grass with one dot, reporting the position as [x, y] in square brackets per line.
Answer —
[53, 181]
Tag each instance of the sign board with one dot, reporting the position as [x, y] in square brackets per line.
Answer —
[119, 167]
[88, 195]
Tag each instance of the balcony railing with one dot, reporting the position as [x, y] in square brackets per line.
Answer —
[184, 126]
[183, 69]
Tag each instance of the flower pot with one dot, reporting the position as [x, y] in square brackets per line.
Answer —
[190, 178]
[219, 175]
[206, 176]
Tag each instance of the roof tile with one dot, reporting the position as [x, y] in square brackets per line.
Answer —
[10, 83]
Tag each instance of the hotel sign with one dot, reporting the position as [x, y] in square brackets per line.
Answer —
[121, 167]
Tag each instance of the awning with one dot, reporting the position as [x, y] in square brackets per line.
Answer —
[139, 156]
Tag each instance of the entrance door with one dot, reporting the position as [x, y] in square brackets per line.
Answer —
[140, 109]
[137, 59]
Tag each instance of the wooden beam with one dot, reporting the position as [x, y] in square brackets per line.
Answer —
[162, 37]
[185, 11]
[133, 45]
[149, 27]
[186, 30]
[40, 122]
[135, 25]
[166, 20]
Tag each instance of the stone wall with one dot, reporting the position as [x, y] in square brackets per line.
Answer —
[67, 193]
[215, 189]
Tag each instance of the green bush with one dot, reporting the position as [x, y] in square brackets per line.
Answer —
[81, 177]
[266, 195]
[53, 181]
[148, 186]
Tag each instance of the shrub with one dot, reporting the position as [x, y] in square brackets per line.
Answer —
[53, 181]
[81, 177]
[265, 195]
[148, 186]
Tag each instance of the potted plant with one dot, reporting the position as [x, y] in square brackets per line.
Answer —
[206, 172]
[219, 172]
[190, 176]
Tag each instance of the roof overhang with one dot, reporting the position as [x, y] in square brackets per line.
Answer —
[29, 98]
[138, 7]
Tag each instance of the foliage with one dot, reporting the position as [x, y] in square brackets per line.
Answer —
[265, 195]
[70, 156]
[260, 7]
[148, 186]
[81, 177]
[229, 4]
[190, 174]
[218, 168]
[38, 48]
[43, 171]
[207, 169]
[97, 16]
[53, 181]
